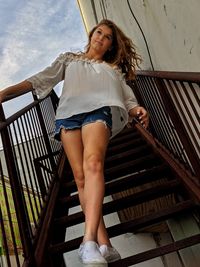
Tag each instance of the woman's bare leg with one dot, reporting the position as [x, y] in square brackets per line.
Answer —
[73, 147]
[102, 235]
[95, 137]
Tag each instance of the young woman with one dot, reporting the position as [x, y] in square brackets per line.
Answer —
[94, 106]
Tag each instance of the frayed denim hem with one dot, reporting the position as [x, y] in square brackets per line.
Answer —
[58, 131]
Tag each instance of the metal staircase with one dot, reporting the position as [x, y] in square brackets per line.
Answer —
[130, 163]
[151, 176]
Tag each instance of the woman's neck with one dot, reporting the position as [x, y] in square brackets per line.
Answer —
[93, 55]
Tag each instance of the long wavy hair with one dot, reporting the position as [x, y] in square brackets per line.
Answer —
[123, 52]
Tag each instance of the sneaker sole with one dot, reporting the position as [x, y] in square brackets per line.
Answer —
[111, 261]
[95, 265]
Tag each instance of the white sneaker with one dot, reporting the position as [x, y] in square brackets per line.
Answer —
[89, 253]
[110, 254]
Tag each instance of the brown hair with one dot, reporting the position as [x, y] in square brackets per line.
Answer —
[123, 53]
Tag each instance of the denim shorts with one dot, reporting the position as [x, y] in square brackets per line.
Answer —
[78, 121]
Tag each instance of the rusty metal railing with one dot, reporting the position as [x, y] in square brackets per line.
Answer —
[29, 156]
[173, 100]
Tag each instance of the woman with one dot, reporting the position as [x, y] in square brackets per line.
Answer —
[94, 106]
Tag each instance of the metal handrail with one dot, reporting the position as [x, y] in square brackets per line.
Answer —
[173, 100]
[29, 157]
[172, 75]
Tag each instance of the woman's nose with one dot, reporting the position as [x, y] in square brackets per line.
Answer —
[101, 37]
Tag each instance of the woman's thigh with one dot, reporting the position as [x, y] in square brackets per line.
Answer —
[95, 137]
[73, 147]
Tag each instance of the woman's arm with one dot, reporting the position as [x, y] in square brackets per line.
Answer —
[142, 115]
[132, 106]
[43, 81]
[21, 87]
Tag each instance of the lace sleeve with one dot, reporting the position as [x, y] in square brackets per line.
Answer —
[44, 81]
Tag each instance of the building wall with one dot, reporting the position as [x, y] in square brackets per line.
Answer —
[170, 27]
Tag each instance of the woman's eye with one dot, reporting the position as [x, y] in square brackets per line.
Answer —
[109, 37]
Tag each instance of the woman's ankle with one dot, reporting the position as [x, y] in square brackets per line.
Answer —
[89, 238]
[104, 242]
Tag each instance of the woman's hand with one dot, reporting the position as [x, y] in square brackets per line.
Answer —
[1, 96]
[22, 87]
[141, 114]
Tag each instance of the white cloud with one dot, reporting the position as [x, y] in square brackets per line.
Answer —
[35, 34]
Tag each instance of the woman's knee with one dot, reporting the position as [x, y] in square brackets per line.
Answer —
[79, 178]
[93, 163]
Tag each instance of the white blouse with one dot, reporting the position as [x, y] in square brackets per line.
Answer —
[88, 85]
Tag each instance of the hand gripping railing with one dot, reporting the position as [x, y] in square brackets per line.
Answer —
[173, 101]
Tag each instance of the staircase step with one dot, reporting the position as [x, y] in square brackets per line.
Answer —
[130, 162]
[124, 146]
[115, 186]
[125, 136]
[126, 131]
[130, 226]
[125, 202]
[126, 155]
[157, 252]
[131, 166]
[132, 149]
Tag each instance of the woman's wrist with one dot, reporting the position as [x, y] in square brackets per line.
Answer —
[2, 95]
[134, 111]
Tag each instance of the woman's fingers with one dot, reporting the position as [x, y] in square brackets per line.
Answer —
[143, 117]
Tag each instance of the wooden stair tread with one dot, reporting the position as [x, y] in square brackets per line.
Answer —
[115, 186]
[126, 135]
[125, 145]
[143, 149]
[133, 165]
[130, 163]
[130, 226]
[156, 252]
[122, 169]
[125, 202]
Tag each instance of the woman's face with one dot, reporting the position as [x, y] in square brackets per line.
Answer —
[101, 40]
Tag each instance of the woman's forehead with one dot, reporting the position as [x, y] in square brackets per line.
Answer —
[105, 29]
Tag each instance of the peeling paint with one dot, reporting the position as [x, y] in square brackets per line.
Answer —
[174, 26]
[191, 49]
[144, 4]
[165, 24]
[165, 9]
[172, 23]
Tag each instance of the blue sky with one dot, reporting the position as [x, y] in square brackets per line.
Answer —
[33, 33]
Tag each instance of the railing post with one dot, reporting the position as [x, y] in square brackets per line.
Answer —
[45, 135]
[178, 124]
[3, 233]
[40, 179]
[54, 100]
[17, 190]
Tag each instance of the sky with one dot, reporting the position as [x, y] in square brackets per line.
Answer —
[32, 34]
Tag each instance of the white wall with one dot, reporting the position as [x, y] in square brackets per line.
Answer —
[171, 28]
